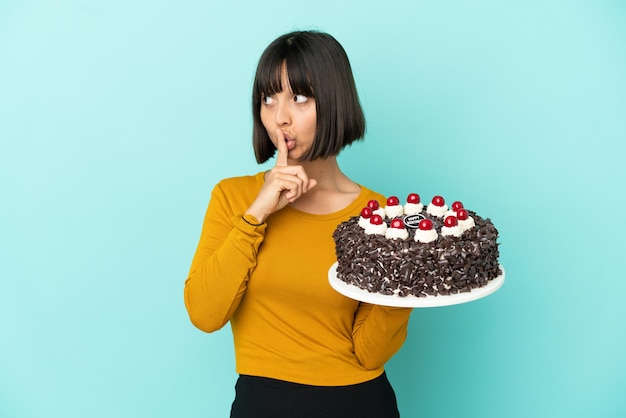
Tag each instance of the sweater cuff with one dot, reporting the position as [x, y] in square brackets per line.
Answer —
[248, 223]
[251, 220]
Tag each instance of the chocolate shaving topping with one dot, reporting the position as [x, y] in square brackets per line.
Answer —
[449, 265]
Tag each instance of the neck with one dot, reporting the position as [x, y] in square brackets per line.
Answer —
[326, 172]
[333, 191]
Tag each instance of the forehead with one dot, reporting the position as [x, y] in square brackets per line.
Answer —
[285, 74]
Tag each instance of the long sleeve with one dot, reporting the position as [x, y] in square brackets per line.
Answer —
[271, 283]
[224, 259]
[378, 333]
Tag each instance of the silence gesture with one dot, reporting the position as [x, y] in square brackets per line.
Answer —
[284, 184]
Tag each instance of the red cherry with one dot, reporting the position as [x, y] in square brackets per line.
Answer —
[413, 198]
[373, 204]
[393, 201]
[457, 205]
[376, 220]
[462, 214]
[397, 223]
[438, 201]
[451, 221]
[366, 212]
[426, 224]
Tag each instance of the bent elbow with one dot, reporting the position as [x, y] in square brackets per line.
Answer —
[370, 365]
[204, 319]
[205, 323]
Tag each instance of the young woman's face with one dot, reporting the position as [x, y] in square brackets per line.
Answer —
[293, 114]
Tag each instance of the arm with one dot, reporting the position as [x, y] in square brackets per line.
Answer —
[227, 252]
[221, 267]
[378, 333]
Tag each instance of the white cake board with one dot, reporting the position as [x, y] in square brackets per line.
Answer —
[355, 292]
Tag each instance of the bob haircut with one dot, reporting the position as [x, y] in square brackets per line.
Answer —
[318, 67]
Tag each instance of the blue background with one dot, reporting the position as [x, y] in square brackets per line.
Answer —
[118, 117]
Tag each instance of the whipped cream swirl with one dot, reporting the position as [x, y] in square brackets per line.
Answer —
[396, 233]
[454, 231]
[394, 211]
[371, 229]
[425, 236]
[435, 210]
[466, 224]
[364, 222]
[380, 211]
[449, 212]
[413, 208]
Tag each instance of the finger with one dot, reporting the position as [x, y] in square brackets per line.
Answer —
[300, 187]
[297, 172]
[281, 145]
[291, 186]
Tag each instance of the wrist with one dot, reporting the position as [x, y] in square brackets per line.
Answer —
[252, 220]
[256, 215]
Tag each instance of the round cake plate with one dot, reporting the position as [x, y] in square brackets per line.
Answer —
[429, 301]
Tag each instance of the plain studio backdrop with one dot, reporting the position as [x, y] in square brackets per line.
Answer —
[118, 117]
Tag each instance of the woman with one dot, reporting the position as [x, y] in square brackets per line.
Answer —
[302, 349]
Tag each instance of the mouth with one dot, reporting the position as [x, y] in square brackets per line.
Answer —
[290, 141]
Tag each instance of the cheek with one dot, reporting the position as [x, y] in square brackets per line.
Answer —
[265, 118]
[313, 124]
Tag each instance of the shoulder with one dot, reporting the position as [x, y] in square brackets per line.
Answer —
[237, 192]
[230, 198]
[368, 194]
[241, 182]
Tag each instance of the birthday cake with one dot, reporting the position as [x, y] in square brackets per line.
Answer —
[416, 249]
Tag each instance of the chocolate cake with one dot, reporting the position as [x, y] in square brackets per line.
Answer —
[455, 250]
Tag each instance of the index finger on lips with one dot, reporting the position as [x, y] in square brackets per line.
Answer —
[281, 145]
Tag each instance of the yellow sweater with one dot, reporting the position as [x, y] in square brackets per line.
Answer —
[271, 283]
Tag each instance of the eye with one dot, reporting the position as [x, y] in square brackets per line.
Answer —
[267, 100]
[299, 98]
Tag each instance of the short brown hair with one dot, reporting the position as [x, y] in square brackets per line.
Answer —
[318, 67]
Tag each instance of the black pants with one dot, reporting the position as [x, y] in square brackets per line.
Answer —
[258, 397]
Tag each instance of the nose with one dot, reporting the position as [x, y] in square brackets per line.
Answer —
[283, 113]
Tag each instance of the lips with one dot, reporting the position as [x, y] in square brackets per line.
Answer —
[291, 142]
